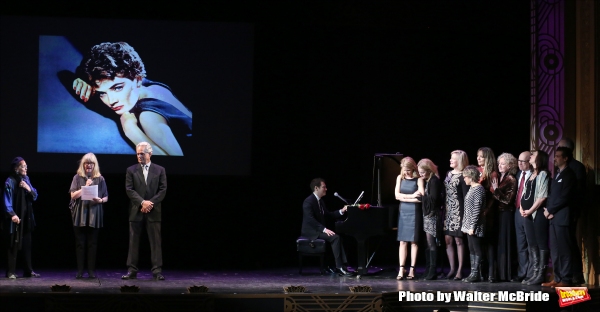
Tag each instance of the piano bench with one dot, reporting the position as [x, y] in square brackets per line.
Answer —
[311, 248]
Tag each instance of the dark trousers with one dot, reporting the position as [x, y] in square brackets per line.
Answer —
[560, 251]
[522, 243]
[475, 244]
[540, 230]
[338, 249]
[86, 239]
[14, 250]
[135, 231]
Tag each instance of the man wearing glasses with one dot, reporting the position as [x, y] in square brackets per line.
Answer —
[146, 186]
[524, 271]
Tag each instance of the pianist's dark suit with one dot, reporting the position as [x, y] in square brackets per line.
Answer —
[560, 198]
[313, 224]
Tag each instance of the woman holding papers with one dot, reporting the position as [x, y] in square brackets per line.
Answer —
[87, 213]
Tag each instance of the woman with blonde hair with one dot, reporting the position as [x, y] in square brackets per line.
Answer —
[409, 188]
[432, 202]
[456, 189]
[88, 215]
[504, 191]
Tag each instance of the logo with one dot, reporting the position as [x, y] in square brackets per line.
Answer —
[572, 295]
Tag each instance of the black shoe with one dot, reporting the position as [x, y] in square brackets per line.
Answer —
[342, 272]
[92, 274]
[129, 275]
[158, 277]
[31, 274]
[79, 276]
[517, 279]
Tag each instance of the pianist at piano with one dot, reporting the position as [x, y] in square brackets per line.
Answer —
[313, 223]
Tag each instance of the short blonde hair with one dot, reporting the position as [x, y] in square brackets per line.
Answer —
[89, 158]
[463, 159]
[408, 162]
[428, 166]
[511, 160]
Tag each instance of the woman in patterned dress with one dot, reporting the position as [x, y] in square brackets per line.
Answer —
[432, 202]
[504, 191]
[473, 222]
[488, 168]
[409, 188]
[455, 192]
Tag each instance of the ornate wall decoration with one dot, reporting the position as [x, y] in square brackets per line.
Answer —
[547, 74]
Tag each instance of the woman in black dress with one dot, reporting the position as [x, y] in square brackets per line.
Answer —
[534, 195]
[504, 191]
[488, 168]
[455, 193]
[432, 204]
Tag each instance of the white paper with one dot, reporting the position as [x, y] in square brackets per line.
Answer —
[89, 192]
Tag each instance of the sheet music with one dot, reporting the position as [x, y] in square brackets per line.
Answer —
[359, 197]
[89, 192]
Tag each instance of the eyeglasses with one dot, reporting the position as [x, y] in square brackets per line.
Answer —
[522, 161]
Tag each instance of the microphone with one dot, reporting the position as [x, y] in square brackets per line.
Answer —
[340, 197]
[359, 197]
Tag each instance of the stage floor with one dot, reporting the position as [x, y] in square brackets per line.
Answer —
[225, 286]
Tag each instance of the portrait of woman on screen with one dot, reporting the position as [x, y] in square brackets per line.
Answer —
[148, 110]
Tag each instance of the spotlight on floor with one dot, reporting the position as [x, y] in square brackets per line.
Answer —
[197, 289]
[60, 288]
[130, 289]
[361, 289]
[294, 289]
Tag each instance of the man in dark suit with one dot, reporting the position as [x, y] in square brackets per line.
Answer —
[525, 271]
[146, 186]
[313, 223]
[558, 211]
[576, 211]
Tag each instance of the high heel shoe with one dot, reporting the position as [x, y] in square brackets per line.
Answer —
[411, 277]
[400, 273]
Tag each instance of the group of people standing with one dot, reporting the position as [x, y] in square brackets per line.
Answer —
[145, 184]
[487, 204]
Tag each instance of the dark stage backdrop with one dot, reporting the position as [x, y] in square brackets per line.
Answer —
[334, 83]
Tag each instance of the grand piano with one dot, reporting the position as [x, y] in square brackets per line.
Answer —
[362, 225]
[377, 220]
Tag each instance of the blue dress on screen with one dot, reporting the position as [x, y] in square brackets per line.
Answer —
[178, 121]
[410, 218]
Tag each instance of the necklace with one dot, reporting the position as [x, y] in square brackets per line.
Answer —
[529, 188]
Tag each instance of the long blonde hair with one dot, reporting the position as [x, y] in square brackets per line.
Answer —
[410, 163]
[428, 166]
[89, 158]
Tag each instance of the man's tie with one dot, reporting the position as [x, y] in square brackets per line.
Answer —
[146, 174]
[520, 192]
[320, 207]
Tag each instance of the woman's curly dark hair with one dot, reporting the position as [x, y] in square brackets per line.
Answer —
[111, 59]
